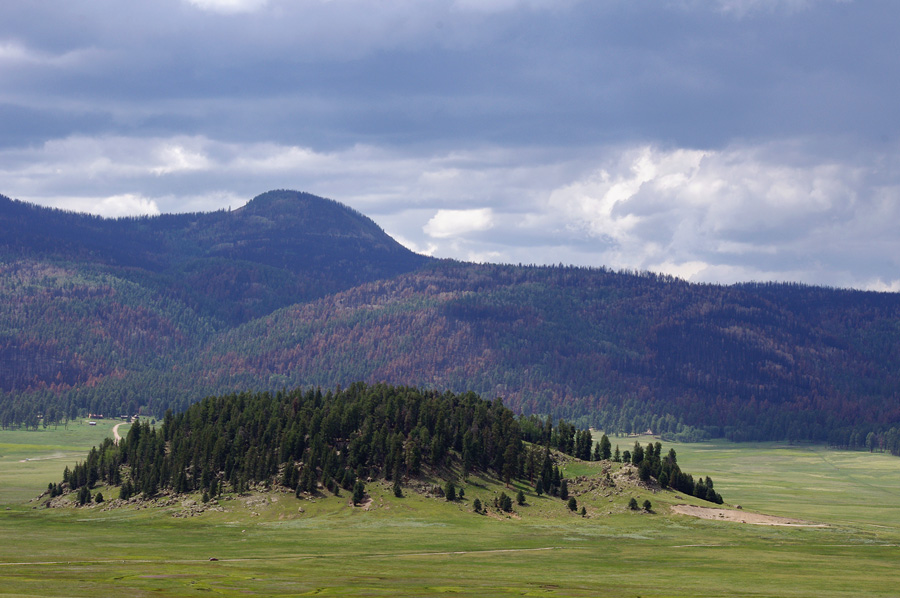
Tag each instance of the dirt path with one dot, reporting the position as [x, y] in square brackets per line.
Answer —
[741, 516]
[116, 435]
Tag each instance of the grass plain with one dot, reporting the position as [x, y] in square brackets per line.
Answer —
[419, 546]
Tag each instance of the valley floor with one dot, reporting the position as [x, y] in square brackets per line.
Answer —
[417, 546]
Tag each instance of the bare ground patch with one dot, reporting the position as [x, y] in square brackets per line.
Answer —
[741, 516]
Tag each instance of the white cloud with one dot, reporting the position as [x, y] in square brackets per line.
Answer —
[177, 158]
[125, 205]
[426, 249]
[229, 6]
[14, 53]
[491, 6]
[892, 286]
[114, 206]
[709, 215]
[685, 270]
[134, 204]
[456, 223]
[742, 8]
[603, 203]
[486, 257]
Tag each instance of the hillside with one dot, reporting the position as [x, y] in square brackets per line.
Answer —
[313, 444]
[618, 351]
[219, 311]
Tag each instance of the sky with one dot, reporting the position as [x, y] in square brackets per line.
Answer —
[715, 140]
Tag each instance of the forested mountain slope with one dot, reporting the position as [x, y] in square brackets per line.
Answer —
[338, 302]
[619, 351]
[86, 300]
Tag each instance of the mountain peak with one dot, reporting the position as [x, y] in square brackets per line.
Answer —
[316, 215]
[281, 199]
[304, 246]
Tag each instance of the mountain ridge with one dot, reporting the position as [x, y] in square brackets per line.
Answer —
[309, 245]
[271, 305]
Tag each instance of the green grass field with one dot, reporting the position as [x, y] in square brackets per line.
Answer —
[30, 459]
[418, 546]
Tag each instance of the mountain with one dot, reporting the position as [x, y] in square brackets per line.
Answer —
[84, 299]
[219, 305]
[619, 351]
[282, 247]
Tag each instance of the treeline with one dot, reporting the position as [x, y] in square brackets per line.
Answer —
[310, 441]
[887, 441]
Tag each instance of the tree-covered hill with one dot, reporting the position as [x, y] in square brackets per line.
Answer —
[146, 314]
[308, 442]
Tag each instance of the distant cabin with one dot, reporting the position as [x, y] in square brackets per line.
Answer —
[92, 423]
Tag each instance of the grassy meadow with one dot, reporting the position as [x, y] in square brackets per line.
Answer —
[418, 546]
[30, 459]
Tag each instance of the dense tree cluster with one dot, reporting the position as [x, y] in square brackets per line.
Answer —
[307, 440]
[310, 441]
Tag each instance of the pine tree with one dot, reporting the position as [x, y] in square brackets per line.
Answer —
[638, 455]
[663, 479]
[572, 504]
[520, 498]
[644, 471]
[476, 506]
[359, 493]
[449, 491]
[555, 481]
[126, 491]
[605, 446]
[503, 502]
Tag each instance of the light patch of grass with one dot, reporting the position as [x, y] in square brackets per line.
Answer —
[30, 459]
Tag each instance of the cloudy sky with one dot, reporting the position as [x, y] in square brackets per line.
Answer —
[717, 140]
